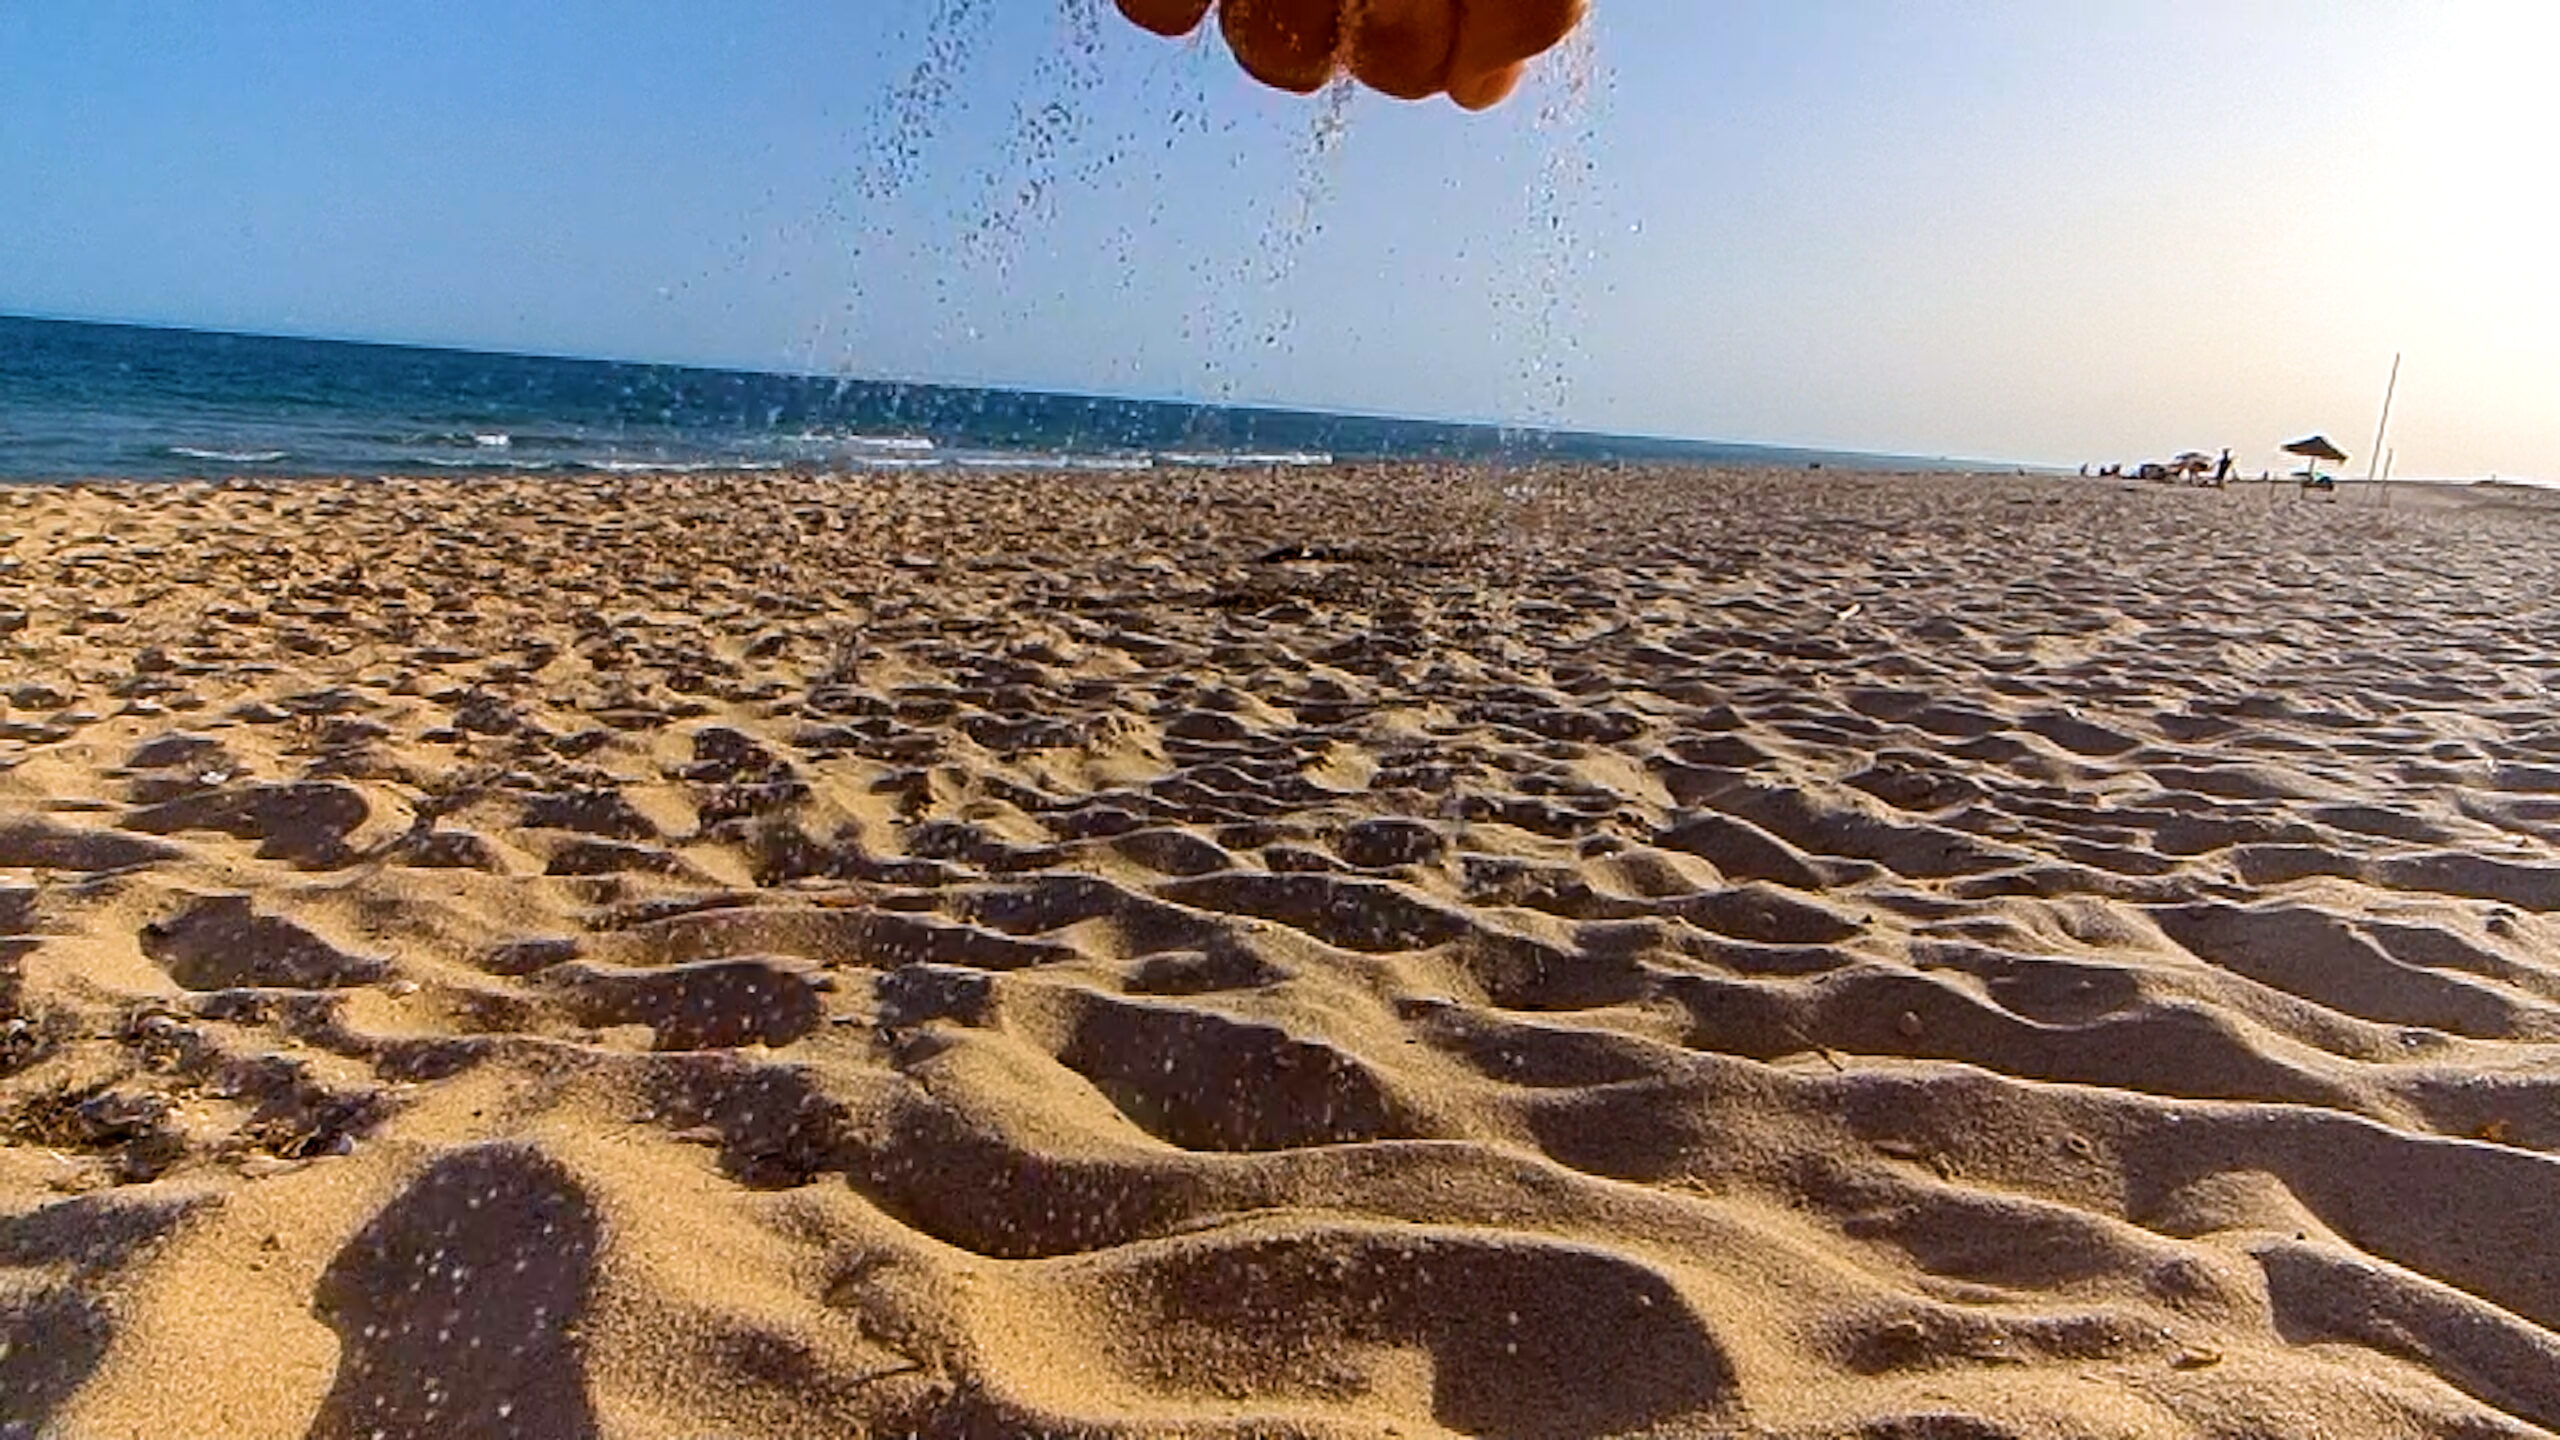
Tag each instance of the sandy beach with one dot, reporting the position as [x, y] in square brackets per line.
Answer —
[1420, 951]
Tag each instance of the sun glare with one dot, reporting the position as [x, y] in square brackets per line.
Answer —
[2456, 240]
[2481, 131]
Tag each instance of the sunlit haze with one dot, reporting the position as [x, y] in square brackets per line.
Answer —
[2012, 230]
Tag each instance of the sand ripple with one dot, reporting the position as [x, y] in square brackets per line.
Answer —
[1327, 954]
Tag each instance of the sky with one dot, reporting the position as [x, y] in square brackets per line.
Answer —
[2043, 231]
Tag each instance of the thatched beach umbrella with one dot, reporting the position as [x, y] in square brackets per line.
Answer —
[2313, 451]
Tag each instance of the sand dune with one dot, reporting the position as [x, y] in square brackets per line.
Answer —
[1536, 953]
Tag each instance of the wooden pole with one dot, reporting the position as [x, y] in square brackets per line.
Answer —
[2373, 466]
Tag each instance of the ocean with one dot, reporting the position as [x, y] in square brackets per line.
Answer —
[86, 401]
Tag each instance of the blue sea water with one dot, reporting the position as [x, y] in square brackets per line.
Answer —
[81, 400]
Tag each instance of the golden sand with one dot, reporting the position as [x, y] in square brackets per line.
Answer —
[1417, 952]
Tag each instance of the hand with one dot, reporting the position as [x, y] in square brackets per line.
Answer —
[1473, 50]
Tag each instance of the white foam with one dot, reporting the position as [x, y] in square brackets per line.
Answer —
[448, 463]
[1037, 461]
[231, 457]
[1222, 460]
[890, 444]
[680, 467]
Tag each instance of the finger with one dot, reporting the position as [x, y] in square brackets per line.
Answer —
[1402, 47]
[1483, 92]
[1165, 17]
[1288, 44]
[1497, 37]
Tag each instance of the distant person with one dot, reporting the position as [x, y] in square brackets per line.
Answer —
[2222, 469]
[1473, 51]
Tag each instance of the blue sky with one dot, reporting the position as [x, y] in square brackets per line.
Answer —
[2043, 230]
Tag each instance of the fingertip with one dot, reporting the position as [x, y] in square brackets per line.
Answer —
[1486, 89]
[1169, 18]
[1296, 80]
[1497, 39]
[1402, 47]
[1286, 44]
